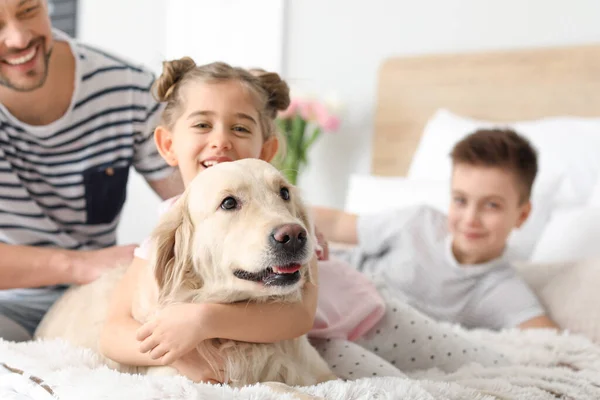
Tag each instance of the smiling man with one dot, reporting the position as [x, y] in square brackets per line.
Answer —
[73, 119]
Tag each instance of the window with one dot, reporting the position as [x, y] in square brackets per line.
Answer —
[63, 14]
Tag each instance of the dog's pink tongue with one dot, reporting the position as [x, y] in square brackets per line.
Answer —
[288, 269]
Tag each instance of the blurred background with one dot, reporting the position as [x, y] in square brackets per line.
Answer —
[319, 46]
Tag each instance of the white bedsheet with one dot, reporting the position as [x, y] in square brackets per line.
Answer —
[545, 364]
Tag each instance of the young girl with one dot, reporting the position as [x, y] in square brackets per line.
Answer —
[213, 114]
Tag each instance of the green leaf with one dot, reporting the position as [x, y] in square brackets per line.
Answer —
[315, 135]
[294, 131]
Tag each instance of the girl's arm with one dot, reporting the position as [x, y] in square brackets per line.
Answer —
[180, 327]
[118, 337]
[266, 323]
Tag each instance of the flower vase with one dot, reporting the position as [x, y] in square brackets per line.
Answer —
[301, 125]
[293, 159]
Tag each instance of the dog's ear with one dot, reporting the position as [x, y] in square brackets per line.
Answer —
[172, 251]
[301, 211]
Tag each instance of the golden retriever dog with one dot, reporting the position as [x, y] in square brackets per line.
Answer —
[239, 233]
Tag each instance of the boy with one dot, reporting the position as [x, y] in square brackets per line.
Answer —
[456, 268]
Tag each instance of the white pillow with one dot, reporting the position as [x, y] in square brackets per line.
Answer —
[372, 194]
[569, 293]
[567, 146]
[571, 235]
[594, 199]
[525, 239]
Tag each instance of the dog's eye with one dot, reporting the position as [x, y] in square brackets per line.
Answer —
[284, 193]
[229, 203]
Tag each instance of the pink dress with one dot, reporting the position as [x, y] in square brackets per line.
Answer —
[348, 303]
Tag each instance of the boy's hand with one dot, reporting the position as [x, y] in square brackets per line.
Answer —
[173, 332]
[323, 252]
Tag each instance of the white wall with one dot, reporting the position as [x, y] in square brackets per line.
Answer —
[339, 45]
[136, 32]
[240, 32]
[328, 45]
[134, 29]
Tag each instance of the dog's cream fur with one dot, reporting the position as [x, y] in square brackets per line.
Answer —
[196, 248]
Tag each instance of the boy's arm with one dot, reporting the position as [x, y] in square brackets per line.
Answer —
[543, 321]
[375, 231]
[510, 303]
[336, 225]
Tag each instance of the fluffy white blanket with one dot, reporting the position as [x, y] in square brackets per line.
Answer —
[546, 365]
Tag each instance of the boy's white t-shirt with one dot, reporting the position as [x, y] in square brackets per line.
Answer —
[410, 250]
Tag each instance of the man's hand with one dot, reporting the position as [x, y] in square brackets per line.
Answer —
[169, 186]
[87, 266]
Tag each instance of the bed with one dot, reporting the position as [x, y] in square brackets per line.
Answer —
[552, 96]
[418, 98]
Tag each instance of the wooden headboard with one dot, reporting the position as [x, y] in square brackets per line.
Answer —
[496, 86]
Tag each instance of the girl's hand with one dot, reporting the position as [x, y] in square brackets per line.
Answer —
[323, 252]
[173, 332]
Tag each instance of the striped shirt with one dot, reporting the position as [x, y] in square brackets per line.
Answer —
[63, 185]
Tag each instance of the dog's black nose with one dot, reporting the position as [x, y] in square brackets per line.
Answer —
[290, 238]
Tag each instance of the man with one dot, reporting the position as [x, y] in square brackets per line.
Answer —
[72, 121]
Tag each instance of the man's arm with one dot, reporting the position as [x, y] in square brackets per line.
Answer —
[336, 225]
[168, 187]
[543, 321]
[28, 266]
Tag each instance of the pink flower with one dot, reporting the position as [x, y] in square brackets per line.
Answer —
[307, 109]
[312, 111]
[331, 124]
[328, 122]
